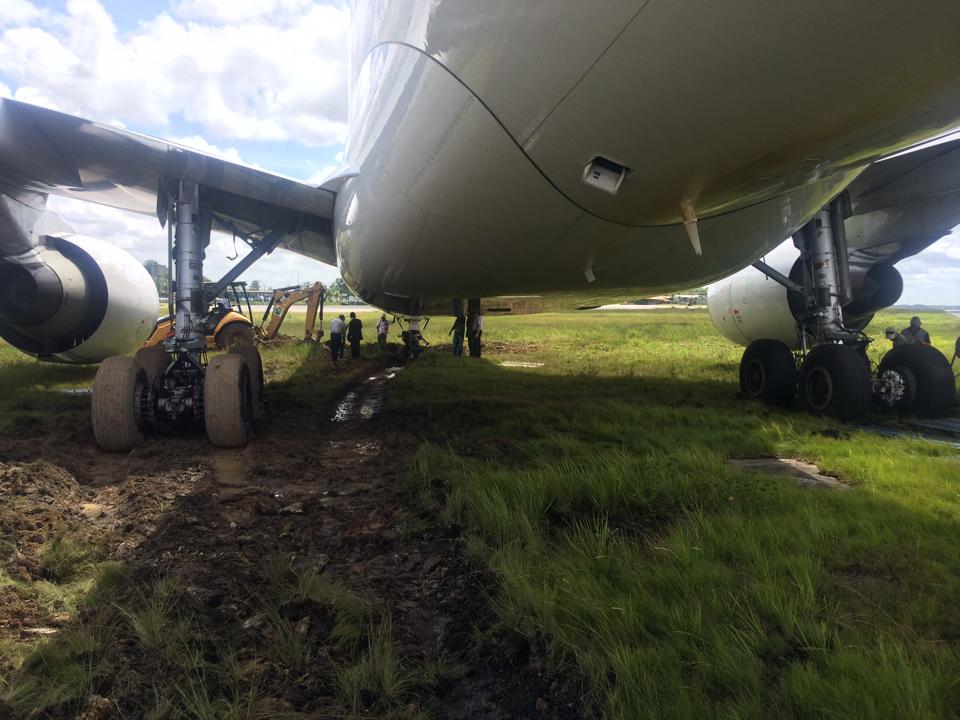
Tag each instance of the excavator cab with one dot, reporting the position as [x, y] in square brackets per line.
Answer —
[229, 321]
[229, 318]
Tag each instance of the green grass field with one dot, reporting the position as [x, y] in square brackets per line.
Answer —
[596, 486]
[598, 489]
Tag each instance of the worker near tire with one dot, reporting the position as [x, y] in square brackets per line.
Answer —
[354, 335]
[915, 334]
[337, 330]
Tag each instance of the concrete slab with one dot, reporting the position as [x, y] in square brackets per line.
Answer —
[804, 474]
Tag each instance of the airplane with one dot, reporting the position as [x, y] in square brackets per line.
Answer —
[525, 156]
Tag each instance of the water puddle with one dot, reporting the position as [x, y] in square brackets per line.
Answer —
[345, 410]
[231, 472]
[367, 401]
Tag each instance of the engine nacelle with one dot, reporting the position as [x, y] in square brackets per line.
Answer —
[750, 306]
[75, 299]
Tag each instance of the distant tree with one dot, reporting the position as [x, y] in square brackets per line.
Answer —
[159, 274]
[338, 290]
[255, 285]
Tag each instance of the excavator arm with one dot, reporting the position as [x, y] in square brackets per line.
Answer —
[281, 302]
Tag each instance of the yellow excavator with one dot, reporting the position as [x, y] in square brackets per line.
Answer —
[227, 324]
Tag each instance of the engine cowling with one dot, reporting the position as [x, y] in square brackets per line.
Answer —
[749, 306]
[76, 299]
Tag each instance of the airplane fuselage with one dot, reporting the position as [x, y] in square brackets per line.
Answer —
[472, 126]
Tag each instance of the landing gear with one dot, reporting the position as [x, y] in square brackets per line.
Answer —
[835, 375]
[834, 381]
[917, 379]
[768, 372]
[119, 393]
[171, 386]
[228, 401]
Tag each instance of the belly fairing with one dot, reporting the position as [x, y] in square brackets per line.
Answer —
[445, 203]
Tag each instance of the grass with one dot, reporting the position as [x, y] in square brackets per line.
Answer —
[596, 486]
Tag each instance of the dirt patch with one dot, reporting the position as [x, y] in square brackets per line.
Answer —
[803, 474]
[323, 497]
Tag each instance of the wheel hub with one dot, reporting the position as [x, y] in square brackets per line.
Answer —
[819, 388]
[890, 388]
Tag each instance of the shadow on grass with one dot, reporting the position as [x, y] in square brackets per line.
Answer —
[605, 507]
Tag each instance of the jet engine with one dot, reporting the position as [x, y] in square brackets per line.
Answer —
[750, 306]
[75, 299]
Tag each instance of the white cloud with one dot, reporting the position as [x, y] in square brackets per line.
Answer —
[276, 71]
[5, 91]
[17, 12]
[234, 11]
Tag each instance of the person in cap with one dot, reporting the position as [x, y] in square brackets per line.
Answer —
[896, 338]
[914, 334]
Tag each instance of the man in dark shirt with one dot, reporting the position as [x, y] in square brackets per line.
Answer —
[354, 335]
[916, 335]
[458, 330]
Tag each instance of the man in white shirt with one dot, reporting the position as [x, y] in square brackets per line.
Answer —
[383, 327]
[337, 328]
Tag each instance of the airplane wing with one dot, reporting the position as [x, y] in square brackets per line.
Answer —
[51, 152]
[905, 203]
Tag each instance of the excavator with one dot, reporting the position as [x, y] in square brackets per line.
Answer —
[227, 324]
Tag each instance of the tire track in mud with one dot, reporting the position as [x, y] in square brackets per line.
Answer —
[327, 490]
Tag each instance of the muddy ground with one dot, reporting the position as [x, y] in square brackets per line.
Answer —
[320, 487]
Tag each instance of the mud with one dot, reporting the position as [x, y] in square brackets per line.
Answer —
[327, 491]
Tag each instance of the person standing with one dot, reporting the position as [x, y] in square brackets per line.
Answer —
[458, 330]
[383, 328]
[337, 328]
[914, 334]
[413, 337]
[354, 335]
[476, 332]
[343, 338]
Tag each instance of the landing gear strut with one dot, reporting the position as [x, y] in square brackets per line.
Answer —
[831, 373]
[172, 386]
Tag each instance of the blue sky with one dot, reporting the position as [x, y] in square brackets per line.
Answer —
[261, 82]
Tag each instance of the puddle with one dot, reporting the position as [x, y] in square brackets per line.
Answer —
[231, 471]
[519, 364]
[345, 410]
[369, 398]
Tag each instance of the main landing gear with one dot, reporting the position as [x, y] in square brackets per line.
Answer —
[830, 373]
[172, 386]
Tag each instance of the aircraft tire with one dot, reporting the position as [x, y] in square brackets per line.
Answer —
[935, 384]
[153, 361]
[768, 372]
[251, 356]
[234, 333]
[834, 381]
[227, 401]
[114, 403]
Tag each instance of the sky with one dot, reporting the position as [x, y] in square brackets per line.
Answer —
[261, 82]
